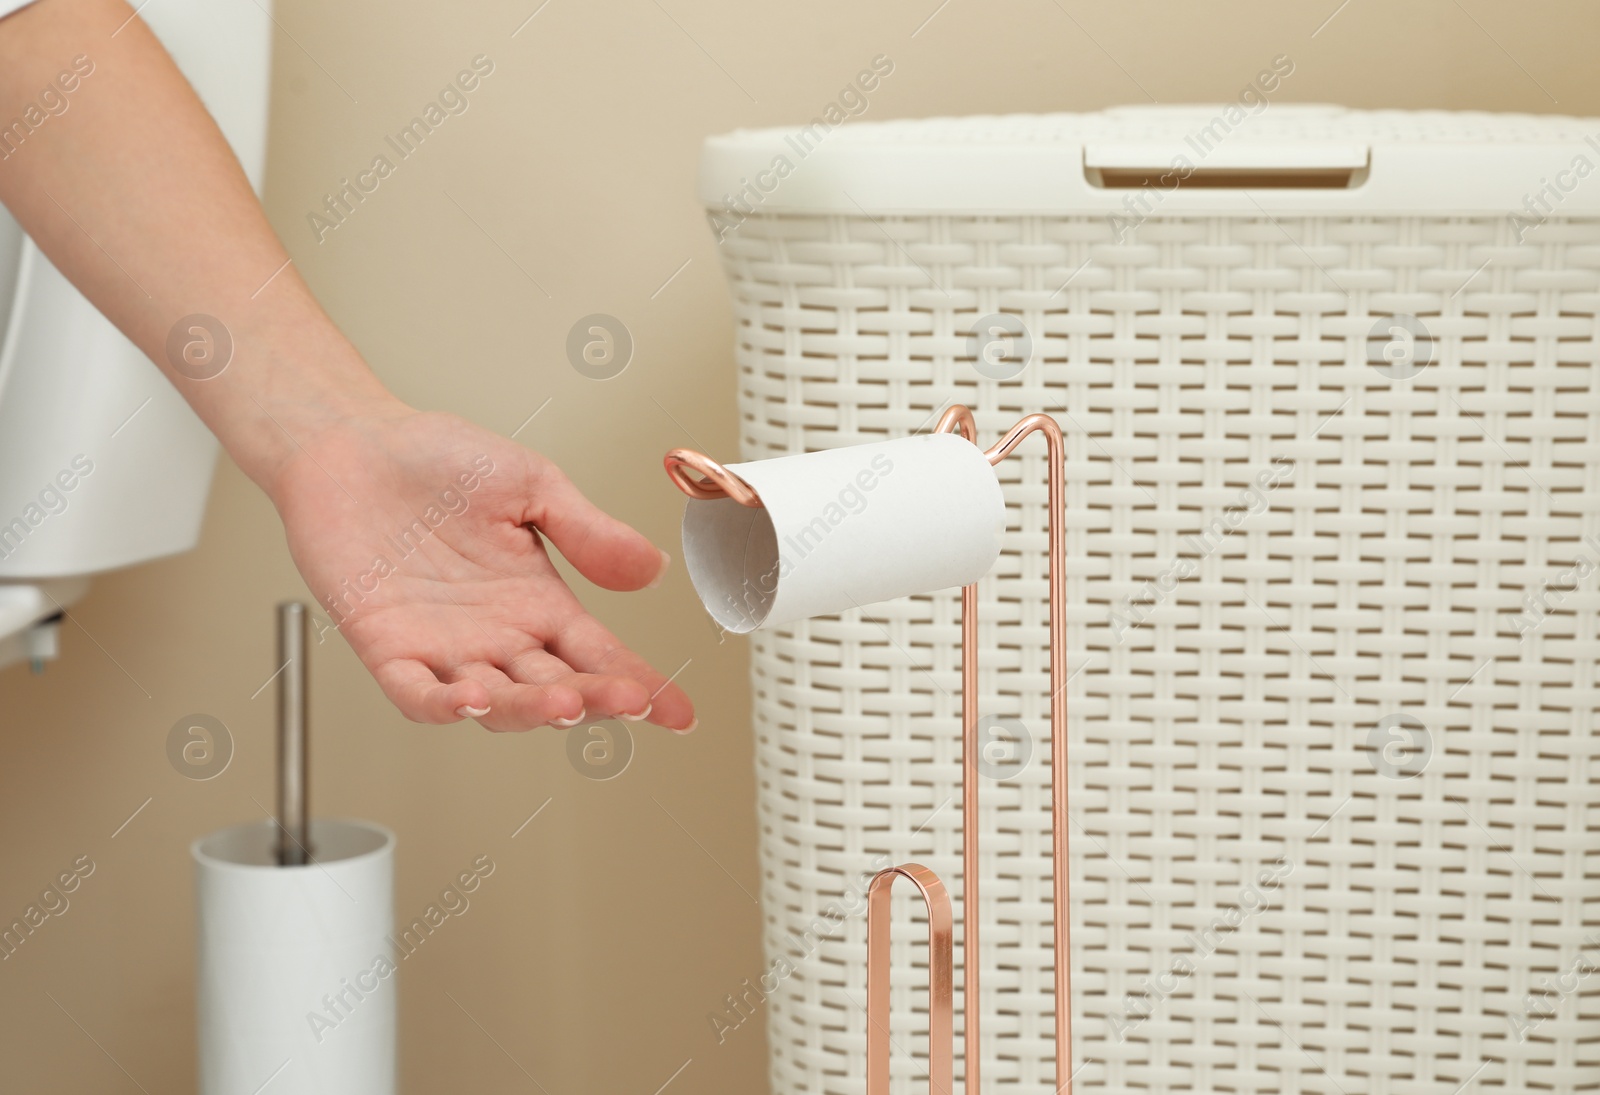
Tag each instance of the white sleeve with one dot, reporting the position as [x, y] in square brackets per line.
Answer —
[9, 6]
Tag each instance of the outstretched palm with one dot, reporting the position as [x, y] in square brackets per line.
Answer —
[423, 537]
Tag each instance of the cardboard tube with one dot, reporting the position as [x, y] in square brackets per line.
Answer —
[297, 983]
[845, 528]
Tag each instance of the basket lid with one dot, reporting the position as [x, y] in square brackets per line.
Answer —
[1149, 161]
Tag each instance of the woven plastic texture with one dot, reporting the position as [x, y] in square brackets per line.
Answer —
[1332, 635]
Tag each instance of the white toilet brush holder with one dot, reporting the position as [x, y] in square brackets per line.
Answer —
[297, 972]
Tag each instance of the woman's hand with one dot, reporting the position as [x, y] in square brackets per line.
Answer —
[424, 539]
[463, 616]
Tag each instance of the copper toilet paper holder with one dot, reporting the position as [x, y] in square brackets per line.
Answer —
[716, 482]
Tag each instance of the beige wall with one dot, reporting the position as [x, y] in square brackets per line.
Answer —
[608, 932]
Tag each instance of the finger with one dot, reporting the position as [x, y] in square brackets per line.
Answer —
[422, 697]
[609, 553]
[604, 695]
[586, 646]
[515, 706]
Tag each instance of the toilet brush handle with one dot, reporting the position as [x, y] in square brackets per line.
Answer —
[294, 814]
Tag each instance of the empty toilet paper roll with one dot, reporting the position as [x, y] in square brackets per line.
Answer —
[297, 979]
[844, 528]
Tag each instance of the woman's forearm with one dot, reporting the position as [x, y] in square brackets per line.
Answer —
[133, 193]
[127, 185]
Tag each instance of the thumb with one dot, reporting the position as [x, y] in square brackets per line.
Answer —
[606, 551]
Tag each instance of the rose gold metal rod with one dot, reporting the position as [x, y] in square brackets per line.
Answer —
[715, 480]
[958, 419]
[1062, 913]
[941, 979]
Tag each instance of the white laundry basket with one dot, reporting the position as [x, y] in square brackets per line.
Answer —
[1332, 406]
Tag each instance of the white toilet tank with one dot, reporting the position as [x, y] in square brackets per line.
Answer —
[102, 464]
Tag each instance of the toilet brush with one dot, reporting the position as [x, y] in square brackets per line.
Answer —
[296, 971]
